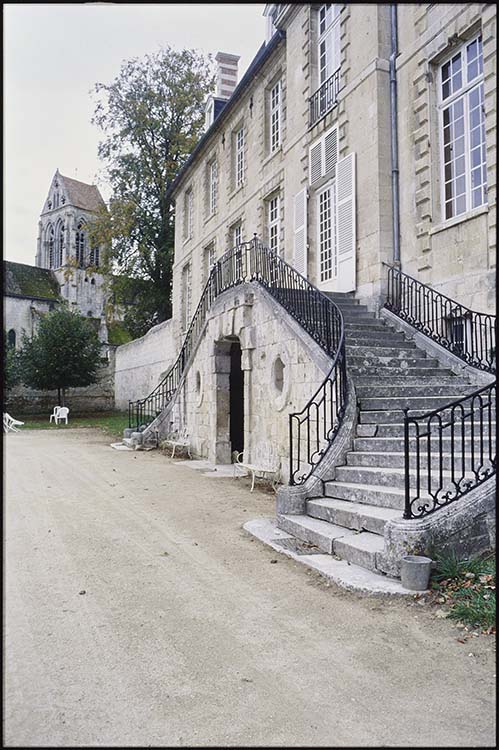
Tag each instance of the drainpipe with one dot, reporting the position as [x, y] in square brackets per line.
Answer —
[394, 136]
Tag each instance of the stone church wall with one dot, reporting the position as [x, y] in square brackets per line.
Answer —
[142, 363]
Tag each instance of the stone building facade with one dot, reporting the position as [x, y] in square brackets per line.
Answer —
[309, 170]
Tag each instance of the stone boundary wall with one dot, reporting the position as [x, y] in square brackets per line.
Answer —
[99, 397]
[142, 363]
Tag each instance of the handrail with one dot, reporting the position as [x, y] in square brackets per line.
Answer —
[324, 98]
[448, 451]
[467, 334]
[315, 426]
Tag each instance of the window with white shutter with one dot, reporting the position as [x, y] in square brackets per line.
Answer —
[323, 156]
[300, 232]
[345, 224]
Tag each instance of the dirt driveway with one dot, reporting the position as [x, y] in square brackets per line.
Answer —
[138, 612]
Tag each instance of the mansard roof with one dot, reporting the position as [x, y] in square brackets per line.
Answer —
[31, 282]
[81, 194]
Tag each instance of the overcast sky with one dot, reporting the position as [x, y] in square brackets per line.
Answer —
[53, 56]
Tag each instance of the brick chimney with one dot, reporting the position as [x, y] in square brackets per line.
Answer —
[226, 74]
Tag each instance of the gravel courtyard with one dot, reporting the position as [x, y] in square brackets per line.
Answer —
[139, 612]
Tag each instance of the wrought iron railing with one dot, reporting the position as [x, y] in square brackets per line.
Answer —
[449, 451]
[324, 98]
[313, 428]
[469, 335]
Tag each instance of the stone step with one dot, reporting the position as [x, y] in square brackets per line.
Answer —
[396, 460]
[381, 372]
[396, 444]
[372, 325]
[410, 380]
[374, 352]
[390, 365]
[360, 549]
[361, 319]
[378, 338]
[351, 515]
[396, 428]
[380, 496]
[313, 530]
[414, 403]
[394, 390]
[379, 477]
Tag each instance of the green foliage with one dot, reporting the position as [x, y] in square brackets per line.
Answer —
[64, 353]
[468, 587]
[118, 333]
[152, 116]
[114, 423]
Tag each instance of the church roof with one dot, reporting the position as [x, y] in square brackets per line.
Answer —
[81, 194]
[21, 280]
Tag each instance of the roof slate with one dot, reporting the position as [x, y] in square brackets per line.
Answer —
[21, 280]
[82, 195]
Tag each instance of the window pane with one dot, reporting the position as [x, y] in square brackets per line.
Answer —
[477, 199]
[474, 98]
[459, 147]
[476, 157]
[448, 191]
[459, 166]
[460, 205]
[472, 70]
[449, 210]
[460, 185]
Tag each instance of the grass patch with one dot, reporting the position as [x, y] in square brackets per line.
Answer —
[113, 423]
[468, 588]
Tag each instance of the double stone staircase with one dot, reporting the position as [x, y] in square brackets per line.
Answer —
[390, 373]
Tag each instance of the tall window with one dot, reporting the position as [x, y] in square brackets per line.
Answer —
[11, 338]
[239, 157]
[208, 260]
[274, 223]
[80, 244]
[212, 187]
[275, 116]
[188, 213]
[94, 256]
[462, 126]
[60, 245]
[186, 296]
[237, 237]
[51, 247]
[328, 53]
[327, 256]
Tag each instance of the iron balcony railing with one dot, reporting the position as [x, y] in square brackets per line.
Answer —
[449, 451]
[315, 426]
[324, 98]
[469, 335]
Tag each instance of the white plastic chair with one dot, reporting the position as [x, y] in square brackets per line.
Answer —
[54, 413]
[10, 424]
[62, 414]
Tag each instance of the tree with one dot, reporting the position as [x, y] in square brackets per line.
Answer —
[152, 116]
[64, 352]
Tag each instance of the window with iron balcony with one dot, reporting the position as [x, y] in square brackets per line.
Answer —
[328, 61]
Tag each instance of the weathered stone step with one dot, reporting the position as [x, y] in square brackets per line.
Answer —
[379, 338]
[396, 428]
[380, 477]
[313, 530]
[374, 352]
[394, 390]
[385, 497]
[396, 444]
[410, 380]
[417, 404]
[387, 373]
[372, 325]
[397, 459]
[351, 515]
[360, 549]
[391, 365]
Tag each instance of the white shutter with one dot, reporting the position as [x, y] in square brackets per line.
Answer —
[300, 232]
[345, 224]
[315, 160]
[330, 150]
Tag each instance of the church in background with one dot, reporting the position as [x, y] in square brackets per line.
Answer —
[67, 267]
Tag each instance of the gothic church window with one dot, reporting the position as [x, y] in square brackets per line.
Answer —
[60, 245]
[11, 338]
[50, 246]
[80, 244]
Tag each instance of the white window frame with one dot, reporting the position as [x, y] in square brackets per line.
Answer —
[462, 93]
[275, 95]
[186, 296]
[326, 27]
[324, 279]
[209, 258]
[239, 165]
[274, 222]
[212, 187]
[189, 210]
[237, 234]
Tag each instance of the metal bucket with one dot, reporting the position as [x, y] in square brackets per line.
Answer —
[415, 572]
